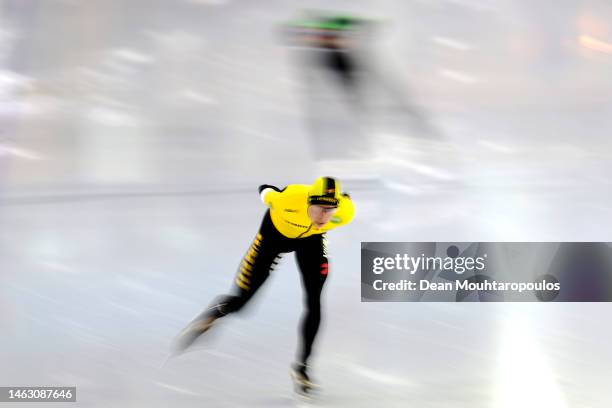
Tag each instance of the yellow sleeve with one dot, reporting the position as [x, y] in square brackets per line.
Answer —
[269, 196]
[348, 209]
[346, 212]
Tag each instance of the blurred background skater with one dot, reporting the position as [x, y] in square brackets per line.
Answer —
[348, 93]
[297, 221]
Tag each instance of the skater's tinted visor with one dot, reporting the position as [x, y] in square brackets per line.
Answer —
[332, 202]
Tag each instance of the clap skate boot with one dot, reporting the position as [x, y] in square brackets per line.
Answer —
[198, 326]
[302, 383]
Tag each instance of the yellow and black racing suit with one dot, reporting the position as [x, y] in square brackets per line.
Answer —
[286, 227]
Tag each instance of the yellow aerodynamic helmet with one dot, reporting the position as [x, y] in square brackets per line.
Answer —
[325, 191]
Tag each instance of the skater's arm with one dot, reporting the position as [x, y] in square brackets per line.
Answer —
[267, 193]
[346, 210]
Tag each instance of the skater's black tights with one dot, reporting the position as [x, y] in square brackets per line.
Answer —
[313, 266]
[310, 326]
[261, 258]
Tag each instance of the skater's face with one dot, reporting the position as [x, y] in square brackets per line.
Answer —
[321, 214]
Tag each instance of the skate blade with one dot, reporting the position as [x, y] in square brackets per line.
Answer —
[298, 380]
[304, 391]
[190, 334]
[303, 395]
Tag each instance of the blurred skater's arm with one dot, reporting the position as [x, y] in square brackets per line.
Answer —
[267, 193]
[346, 210]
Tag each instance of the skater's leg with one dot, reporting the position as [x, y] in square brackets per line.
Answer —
[313, 263]
[254, 269]
[262, 256]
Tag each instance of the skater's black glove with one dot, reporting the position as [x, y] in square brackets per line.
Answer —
[264, 186]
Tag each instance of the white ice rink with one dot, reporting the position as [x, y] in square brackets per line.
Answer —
[134, 134]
